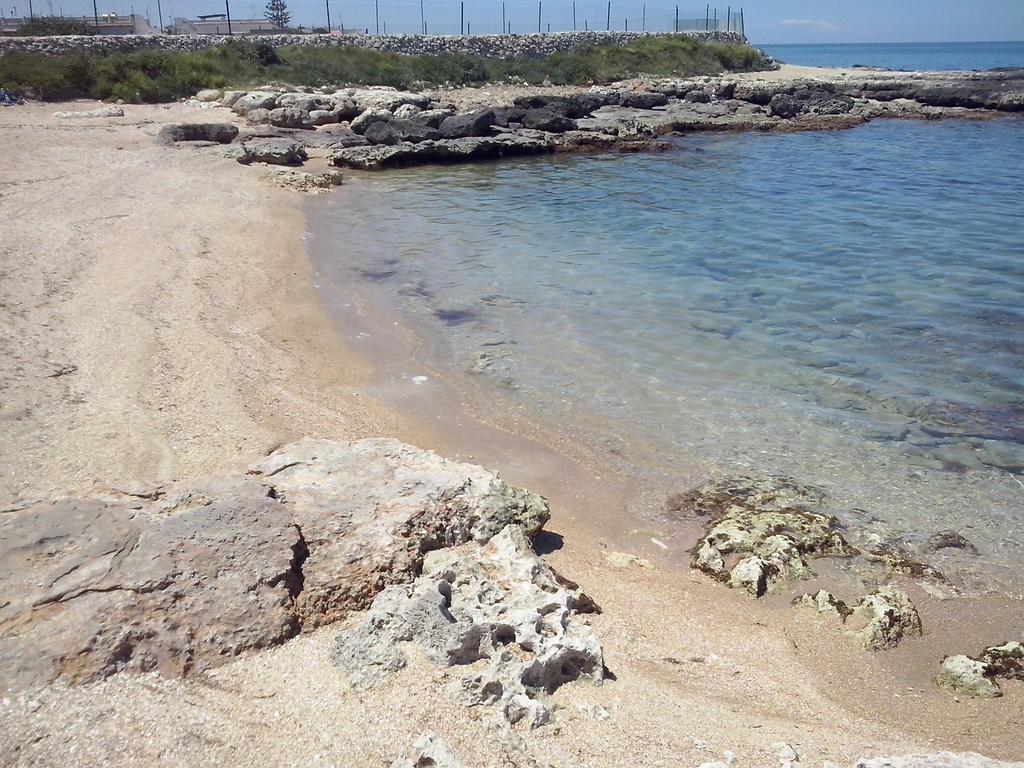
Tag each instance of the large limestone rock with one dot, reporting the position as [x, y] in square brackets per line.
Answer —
[183, 581]
[186, 576]
[370, 510]
[763, 532]
[496, 609]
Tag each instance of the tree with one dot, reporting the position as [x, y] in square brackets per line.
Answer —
[277, 13]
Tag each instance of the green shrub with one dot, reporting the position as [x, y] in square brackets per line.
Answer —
[160, 76]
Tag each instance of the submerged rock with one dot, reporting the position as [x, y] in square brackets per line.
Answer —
[496, 609]
[185, 577]
[976, 676]
[762, 532]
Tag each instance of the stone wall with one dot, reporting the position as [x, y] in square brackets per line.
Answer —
[499, 46]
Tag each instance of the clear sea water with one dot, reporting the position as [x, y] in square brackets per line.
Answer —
[843, 307]
[905, 56]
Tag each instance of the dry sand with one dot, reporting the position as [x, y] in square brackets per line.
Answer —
[160, 322]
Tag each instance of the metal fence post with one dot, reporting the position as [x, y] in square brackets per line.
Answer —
[227, 9]
[677, 20]
[608, 20]
[573, 15]
[462, 18]
[328, 4]
[376, 14]
[423, 19]
[643, 18]
[539, 5]
[707, 18]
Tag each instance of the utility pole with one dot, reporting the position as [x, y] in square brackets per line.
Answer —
[227, 8]
[728, 17]
[608, 20]
[160, 14]
[643, 18]
[707, 18]
[677, 20]
[503, 24]
[539, 6]
[31, 13]
[462, 18]
[423, 19]
[743, 26]
[96, 16]
[328, 3]
[573, 15]
[376, 14]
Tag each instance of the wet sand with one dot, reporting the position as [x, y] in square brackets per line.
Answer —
[162, 321]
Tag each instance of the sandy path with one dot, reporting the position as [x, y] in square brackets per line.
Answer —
[159, 313]
[169, 290]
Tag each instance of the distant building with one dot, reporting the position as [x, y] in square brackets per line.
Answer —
[218, 25]
[109, 24]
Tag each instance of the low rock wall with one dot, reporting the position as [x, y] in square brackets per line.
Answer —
[495, 46]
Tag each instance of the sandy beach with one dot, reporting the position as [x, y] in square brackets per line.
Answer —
[161, 322]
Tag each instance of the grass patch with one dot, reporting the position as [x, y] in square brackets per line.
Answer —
[160, 76]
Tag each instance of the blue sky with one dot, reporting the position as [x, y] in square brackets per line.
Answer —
[767, 21]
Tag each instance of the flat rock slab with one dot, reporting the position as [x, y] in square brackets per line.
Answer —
[440, 151]
[185, 577]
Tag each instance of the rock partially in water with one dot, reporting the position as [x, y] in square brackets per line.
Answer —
[496, 609]
[184, 577]
[428, 751]
[888, 616]
[441, 151]
[950, 540]
[977, 676]
[763, 532]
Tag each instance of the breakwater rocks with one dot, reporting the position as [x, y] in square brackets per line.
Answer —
[492, 46]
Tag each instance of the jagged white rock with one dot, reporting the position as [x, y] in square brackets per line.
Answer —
[428, 751]
[890, 616]
[939, 760]
[497, 607]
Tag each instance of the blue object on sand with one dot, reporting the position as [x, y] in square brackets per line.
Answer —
[9, 99]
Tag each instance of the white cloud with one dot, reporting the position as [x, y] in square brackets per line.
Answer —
[820, 24]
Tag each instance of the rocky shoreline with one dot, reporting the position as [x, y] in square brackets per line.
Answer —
[379, 128]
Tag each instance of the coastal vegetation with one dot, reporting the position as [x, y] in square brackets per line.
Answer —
[160, 76]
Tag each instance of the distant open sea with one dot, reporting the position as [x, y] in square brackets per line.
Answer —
[906, 56]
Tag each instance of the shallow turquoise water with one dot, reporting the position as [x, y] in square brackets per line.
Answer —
[905, 56]
[844, 307]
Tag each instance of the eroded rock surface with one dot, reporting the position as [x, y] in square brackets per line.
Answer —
[428, 751]
[939, 760]
[978, 676]
[496, 609]
[185, 577]
[880, 620]
[763, 532]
